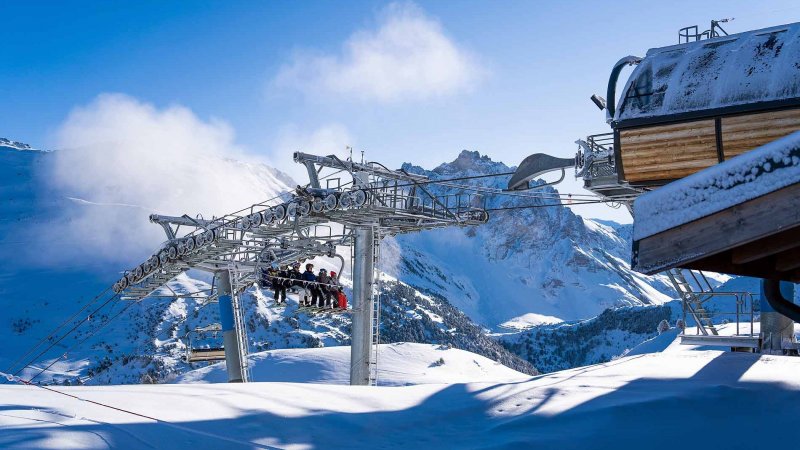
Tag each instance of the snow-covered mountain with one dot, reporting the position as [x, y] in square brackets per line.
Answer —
[525, 266]
[447, 287]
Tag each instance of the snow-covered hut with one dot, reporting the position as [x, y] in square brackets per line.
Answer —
[690, 106]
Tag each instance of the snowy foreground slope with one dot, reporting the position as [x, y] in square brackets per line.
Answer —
[653, 401]
[399, 364]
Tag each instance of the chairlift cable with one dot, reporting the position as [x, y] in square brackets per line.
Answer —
[14, 378]
[53, 344]
[77, 345]
[44, 339]
[581, 202]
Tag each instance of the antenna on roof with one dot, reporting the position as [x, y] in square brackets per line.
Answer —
[692, 33]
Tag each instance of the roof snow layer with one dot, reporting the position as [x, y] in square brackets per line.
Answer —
[752, 67]
[766, 169]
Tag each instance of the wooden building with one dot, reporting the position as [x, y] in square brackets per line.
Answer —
[741, 217]
[688, 107]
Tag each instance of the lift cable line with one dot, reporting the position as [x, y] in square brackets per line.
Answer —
[82, 341]
[60, 326]
[508, 208]
[54, 343]
[16, 379]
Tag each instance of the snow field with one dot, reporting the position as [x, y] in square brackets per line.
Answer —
[398, 364]
[653, 401]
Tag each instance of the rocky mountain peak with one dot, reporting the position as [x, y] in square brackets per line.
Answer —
[15, 145]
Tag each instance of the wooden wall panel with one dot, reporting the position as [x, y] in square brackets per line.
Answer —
[667, 152]
[746, 132]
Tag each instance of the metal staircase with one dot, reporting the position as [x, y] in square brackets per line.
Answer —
[693, 301]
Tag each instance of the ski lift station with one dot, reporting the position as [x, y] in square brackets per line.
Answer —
[704, 152]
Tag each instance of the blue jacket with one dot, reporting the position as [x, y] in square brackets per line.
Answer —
[308, 276]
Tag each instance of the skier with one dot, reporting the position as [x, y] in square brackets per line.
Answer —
[335, 288]
[279, 285]
[268, 278]
[323, 292]
[308, 279]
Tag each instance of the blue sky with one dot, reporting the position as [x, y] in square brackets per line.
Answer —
[504, 78]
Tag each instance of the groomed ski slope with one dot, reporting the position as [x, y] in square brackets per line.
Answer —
[655, 401]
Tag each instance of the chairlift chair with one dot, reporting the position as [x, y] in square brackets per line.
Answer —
[203, 354]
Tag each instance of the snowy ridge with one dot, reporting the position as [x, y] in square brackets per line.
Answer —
[14, 145]
[597, 340]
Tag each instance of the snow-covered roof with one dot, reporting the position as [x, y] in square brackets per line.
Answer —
[753, 174]
[752, 67]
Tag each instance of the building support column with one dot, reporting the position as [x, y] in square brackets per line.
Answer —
[363, 279]
[776, 329]
[233, 360]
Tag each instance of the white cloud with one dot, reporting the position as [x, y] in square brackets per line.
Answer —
[408, 57]
[329, 139]
[125, 159]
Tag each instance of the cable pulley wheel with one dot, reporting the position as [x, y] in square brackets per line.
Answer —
[359, 198]
[317, 205]
[330, 202]
[256, 219]
[345, 200]
[291, 210]
[279, 212]
[269, 216]
[303, 208]
[189, 244]
[245, 223]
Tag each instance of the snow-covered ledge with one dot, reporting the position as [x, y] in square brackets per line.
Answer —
[748, 176]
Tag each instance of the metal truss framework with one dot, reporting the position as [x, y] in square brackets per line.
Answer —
[309, 222]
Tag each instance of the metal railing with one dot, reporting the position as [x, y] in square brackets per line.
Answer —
[744, 311]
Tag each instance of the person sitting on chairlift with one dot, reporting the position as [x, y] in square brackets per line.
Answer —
[339, 299]
[323, 292]
[280, 284]
[295, 275]
[272, 274]
[334, 289]
[310, 288]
